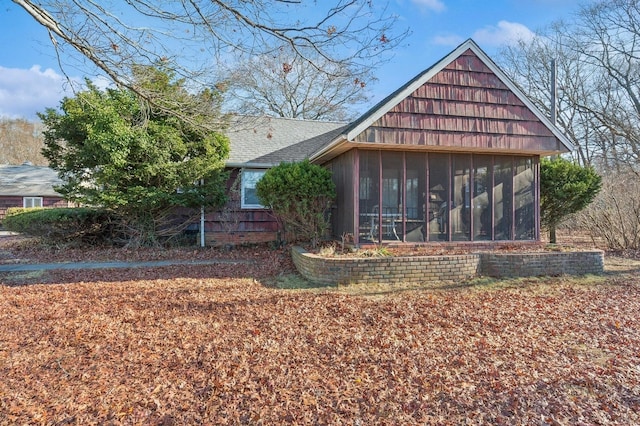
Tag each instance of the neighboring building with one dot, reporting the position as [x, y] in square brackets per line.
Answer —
[451, 156]
[28, 186]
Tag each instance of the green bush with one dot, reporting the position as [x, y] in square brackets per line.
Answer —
[565, 188]
[62, 225]
[120, 152]
[300, 195]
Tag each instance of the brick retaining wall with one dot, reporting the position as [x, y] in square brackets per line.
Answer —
[502, 265]
[384, 269]
[459, 267]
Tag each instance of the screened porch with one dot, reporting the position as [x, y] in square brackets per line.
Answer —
[393, 196]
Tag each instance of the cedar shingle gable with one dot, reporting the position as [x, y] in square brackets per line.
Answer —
[464, 102]
[465, 106]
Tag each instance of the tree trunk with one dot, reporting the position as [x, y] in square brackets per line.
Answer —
[552, 234]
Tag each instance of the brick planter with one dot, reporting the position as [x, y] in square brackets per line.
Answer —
[458, 267]
[330, 270]
[503, 265]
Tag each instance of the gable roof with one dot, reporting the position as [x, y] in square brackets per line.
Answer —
[369, 118]
[264, 142]
[28, 181]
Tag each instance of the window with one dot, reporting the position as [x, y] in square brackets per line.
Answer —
[29, 202]
[392, 205]
[503, 198]
[416, 173]
[248, 191]
[369, 190]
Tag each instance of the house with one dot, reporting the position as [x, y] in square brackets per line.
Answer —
[451, 156]
[28, 186]
[257, 144]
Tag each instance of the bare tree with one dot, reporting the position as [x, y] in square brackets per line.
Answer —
[191, 37]
[599, 79]
[607, 35]
[21, 141]
[614, 216]
[529, 63]
[284, 85]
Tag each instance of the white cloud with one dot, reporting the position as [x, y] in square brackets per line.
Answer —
[103, 83]
[448, 40]
[504, 33]
[490, 36]
[435, 5]
[24, 92]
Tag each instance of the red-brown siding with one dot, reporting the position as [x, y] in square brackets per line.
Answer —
[7, 202]
[235, 225]
[464, 106]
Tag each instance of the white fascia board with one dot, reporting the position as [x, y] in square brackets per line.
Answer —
[250, 165]
[341, 138]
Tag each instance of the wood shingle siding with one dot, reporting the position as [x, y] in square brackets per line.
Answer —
[467, 94]
[463, 109]
[463, 106]
[450, 123]
[438, 139]
[231, 224]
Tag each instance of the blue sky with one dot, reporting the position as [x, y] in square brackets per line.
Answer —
[31, 80]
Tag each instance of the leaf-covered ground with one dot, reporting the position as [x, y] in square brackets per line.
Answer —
[219, 344]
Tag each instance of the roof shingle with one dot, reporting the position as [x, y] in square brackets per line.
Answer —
[30, 181]
[269, 141]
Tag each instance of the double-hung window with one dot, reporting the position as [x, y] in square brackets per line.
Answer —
[249, 198]
[29, 202]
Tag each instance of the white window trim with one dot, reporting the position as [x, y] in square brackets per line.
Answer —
[242, 189]
[24, 201]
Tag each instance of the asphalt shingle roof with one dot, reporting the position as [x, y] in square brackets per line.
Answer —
[269, 141]
[26, 180]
